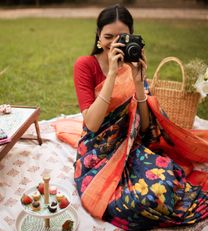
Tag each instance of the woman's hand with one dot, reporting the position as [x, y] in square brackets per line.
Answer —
[138, 74]
[115, 56]
[139, 69]
[95, 114]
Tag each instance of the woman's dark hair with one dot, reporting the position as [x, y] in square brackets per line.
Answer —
[110, 15]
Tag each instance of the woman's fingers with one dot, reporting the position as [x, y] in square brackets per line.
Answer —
[143, 64]
[116, 46]
[116, 39]
[116, 54]
[113, 44]
[116, 51]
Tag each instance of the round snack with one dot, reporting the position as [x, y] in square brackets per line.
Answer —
[40, 188]
[53, 190]
[26, 200]
[59, 196]
[68, 225]
[36, 196]
[63, 203]
[54, 203]
[52, 207]
[35, 206]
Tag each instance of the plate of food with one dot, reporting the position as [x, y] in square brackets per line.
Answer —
[66, 221]
[33, 201]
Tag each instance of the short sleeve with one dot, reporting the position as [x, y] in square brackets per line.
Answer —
[84, 82]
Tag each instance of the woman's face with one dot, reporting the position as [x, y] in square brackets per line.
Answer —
[109, 33]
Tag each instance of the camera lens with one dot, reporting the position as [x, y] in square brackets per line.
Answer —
[134, 51]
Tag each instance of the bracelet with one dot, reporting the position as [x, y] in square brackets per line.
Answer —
[104, 99]
[143, 100]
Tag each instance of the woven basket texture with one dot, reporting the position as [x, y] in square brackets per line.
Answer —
[179, 105]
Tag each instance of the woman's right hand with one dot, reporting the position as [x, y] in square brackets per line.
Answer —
[115, 56]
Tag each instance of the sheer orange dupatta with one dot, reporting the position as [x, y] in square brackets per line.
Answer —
[69, 130]
[190, 146]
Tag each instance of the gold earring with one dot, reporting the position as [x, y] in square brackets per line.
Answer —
[98, 44]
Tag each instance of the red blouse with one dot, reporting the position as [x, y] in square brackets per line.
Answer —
[87, 75]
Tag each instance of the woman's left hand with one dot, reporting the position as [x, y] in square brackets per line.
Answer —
[139, 68]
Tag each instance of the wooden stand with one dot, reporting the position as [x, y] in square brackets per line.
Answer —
[46, 180]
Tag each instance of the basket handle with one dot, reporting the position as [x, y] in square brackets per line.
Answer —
[166, 60]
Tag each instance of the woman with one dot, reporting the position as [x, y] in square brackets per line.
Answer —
[125, 172]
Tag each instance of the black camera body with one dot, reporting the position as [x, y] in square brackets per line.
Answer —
[132, 50]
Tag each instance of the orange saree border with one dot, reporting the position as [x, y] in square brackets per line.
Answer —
[193, 147]
[97, 195]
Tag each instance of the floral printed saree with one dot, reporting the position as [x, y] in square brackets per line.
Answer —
[135, 180]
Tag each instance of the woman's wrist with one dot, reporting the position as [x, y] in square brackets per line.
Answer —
[104, 99]
[111, 74]
[139, 83]
[142, 99]
[138, 78]
[139, 86]
[140, 91]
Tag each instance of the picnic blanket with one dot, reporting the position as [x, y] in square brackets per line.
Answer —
[24, 166]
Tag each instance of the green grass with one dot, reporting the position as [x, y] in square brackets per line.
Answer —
[40, 54]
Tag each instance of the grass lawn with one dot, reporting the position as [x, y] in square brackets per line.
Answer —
[40, 54]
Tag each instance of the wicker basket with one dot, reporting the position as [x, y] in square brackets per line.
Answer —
[180, 106]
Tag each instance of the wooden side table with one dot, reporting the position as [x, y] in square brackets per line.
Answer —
[16, 123]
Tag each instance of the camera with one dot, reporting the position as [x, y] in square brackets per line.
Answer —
[132, 50]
